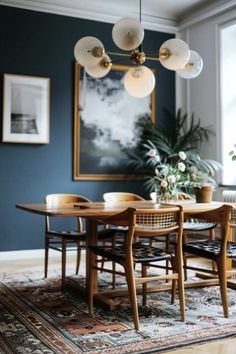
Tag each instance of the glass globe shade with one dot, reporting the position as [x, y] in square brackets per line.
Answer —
[88, 51]
[193, 67]
[139, 81]
[127, 33]
[100, 69]
[179, 54]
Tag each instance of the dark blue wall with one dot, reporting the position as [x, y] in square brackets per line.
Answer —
[41, 44]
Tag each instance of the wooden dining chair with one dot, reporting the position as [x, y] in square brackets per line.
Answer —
[143, 222]
[60, 239]
[193, 229]
[116, 197]
[63, 240]
[217, 250]
[121, 197]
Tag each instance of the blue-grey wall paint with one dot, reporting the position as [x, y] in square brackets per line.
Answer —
[41, 44]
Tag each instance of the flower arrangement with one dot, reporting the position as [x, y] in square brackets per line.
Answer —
[169, 179]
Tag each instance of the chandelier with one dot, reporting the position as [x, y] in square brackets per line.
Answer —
[128, 34]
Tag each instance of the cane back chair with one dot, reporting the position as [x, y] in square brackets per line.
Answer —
[143, 222]
[193, 229]
[218, 250]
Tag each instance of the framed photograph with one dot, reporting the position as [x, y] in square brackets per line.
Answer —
[26, 109]
[105, 124]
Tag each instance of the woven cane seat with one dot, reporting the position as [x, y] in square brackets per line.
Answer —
[141, 253]
[209, 249]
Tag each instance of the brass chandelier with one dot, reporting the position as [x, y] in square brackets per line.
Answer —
[128, 34]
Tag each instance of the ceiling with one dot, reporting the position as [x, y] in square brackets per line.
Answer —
[160, 15]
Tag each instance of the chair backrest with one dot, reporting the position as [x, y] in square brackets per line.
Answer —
[229, 196]
[125, 218]
[121, 197]
[160, 221]
[60, 198]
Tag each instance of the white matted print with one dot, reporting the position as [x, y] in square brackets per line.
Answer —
[26, 109]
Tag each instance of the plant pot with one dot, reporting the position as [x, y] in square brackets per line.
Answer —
[204, 194]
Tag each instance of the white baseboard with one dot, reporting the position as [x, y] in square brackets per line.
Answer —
[27, 254]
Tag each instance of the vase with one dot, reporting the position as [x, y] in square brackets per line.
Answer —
[204, 194]
[166, 197]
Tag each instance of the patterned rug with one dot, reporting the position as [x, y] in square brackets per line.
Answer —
[36, 316]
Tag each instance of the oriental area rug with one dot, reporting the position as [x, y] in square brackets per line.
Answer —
[36, 316]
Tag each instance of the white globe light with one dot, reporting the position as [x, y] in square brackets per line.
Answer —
[128, 33]
[139, 81]
[193, 67]
[179, 54]
[88, 51]
[101, 69]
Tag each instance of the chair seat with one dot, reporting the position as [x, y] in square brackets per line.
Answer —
[198, 225]
[209, 249]
[69, 235]
[111, 232]
[141, 253]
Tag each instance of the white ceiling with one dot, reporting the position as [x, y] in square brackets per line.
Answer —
[162, 15]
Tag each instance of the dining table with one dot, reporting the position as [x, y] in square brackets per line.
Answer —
[93, 210]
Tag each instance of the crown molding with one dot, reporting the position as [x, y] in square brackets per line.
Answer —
[212, 10]
[88, 10]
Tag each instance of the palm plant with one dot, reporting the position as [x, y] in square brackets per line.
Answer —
[173, 136]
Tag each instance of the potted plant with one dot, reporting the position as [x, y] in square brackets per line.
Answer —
[161, 148]
[201, 184]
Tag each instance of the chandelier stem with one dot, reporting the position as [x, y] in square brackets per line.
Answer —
[140, 9]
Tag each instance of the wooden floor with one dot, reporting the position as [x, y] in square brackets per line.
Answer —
[227, 346]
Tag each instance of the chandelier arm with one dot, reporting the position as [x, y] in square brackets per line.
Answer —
[119, 54]
[127, 55]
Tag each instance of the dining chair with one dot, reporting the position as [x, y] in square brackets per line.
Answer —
[217, 250]
[63, 240]
[59, 239]
[193, 229]
[115, 197]
[143, 222]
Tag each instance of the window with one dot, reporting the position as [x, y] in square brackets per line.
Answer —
[228, 101]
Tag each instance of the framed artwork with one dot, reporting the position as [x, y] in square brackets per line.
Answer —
[26, 109]
[105, 124]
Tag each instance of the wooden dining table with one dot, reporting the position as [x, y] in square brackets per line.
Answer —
[93, 210]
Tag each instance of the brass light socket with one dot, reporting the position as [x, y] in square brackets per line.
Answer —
[138, 57]
[98, 52]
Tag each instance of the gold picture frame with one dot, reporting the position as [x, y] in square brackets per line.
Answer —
[105, 118]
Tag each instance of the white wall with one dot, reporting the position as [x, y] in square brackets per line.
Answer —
[202, 94]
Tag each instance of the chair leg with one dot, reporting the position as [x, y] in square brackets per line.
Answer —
[129, 273]
[144, 286]
[78, 257]
[167, 249]
[221, 267]
[212, 237]
[185, 237]
[63, 263]
[179, 267]
[46, 247]
[173, 290]
[91, 282]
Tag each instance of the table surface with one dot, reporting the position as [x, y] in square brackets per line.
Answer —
[90, 209]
